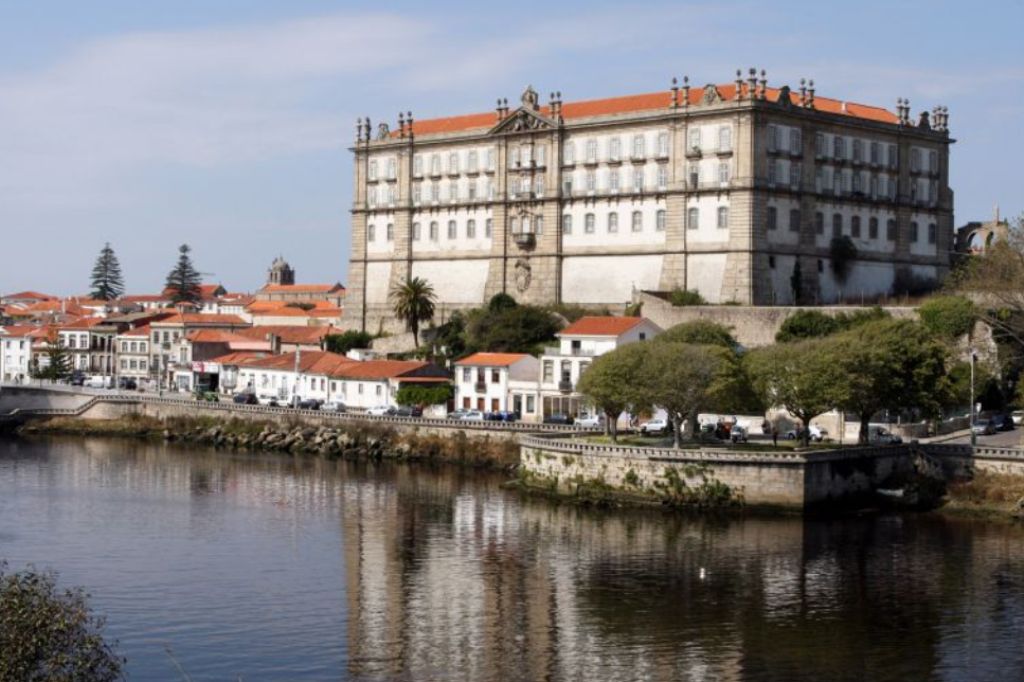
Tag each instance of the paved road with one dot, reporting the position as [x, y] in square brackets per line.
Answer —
[1002, 439]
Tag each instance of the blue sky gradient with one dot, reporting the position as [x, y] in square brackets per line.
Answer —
[226, 124]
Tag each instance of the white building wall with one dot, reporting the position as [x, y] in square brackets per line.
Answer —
[603, 279]
[705, 273]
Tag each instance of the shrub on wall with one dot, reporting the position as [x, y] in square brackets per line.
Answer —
[424, 395]
[682, 297]
[948, 316]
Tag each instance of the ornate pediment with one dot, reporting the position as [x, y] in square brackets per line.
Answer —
[523, 120]
[711, 95]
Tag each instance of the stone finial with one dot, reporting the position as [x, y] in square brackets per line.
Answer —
[923, 121]
[686, 91]
[408, 123]
[739, 84]
[366, 129]
[359, 129]
[752, 83]
[764, 85]
[401, 124]
[675, 93]
[803, 92]
[810, 94]
[529, 98]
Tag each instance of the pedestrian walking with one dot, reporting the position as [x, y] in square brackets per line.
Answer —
[775, 435]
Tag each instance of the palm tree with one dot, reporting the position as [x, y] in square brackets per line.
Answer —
[413, 302]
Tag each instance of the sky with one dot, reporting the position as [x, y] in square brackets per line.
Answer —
[225, 124]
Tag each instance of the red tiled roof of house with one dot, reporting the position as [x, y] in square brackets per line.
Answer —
[207, 292]
[492, 359]
[310, 362]
[379, 369]
[84, 323]
[179, 319]
[142, 331]
[289, 333]
[647, 102]
[600, 326]
[20, 330]
[215, 336]
[145, 298]
[30, 296]
[302, 288]
[241, 357]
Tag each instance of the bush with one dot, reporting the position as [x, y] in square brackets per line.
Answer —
[948, 316]
[47, 634]
[807, 324]
[346, 341]
[683, 297]
[424, 395]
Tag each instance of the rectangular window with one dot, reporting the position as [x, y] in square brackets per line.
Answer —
[435, 192]
[659, 222]
[415, 232]
[872, 228]
[527, 155]
[723, 173]
[391, 232]
[488, 227]
[639, 150]
[590, 179]
[913, 230]
[795, 173]
[538, 224]
[638, 221]
[417, 192]
[773, 138]
[855, 227]
[837, 225]
[876, 152]
[614, 149]
[470, 229]
[890, 230]
[773, 218]
[933, 161]
[794, 220]
[692, 218]
[694, 175]
[370, 231]
[417, 165]
[569, 153]
[433, 231]
[915, 160]
[794, 141]
[513, 157]
[723, 217]
[588, 223]
[858, 151]
[538, 186]
[613, 222]
[613, 180]
[530, 405]
[591, 151]
[662, 177]
[638, 180]
[471, 190]
[893, 157]
[772, 172]
[472, 161]
[372, 173]
[694, 139]
[819, 223]
[566, 224]
[392, 169]
[932, 233]
[435, 164]
[725, 139]
[490, 159]
[548, 372]
[663, 145]
[542, 155]
[819, 145]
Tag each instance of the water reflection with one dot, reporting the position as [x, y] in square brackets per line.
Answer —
[273, 567]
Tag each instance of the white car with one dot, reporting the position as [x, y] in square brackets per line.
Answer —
[380, 410]
[333, 406]
[590, 421]
[1017, 416]
[884, 437]
[97, 381]
[738, 434]
[654, 427]
[267, 400]
[815, 434]
[473, 416]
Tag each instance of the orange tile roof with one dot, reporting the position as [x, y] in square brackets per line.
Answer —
[289, 333]
[492, 359]
[207, 292]
[242, 357]
[84, 323]
[647, 102]
[142, 331]
[144, 298]
[20, 330]
[381, 369]
[600, 326]
[215, 336]
[302, 288]
[29, 296]
[310, 362]
[179, 319]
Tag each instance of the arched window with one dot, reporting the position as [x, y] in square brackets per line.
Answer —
[567, 224]
[723, 217]
[613, 222]
[659, 221]
[692, 218]
[638, 221]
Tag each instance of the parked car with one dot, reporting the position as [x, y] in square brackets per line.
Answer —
[501, 416]
[409, 411]
[97, 381]
[458, 413]
[127, 384]
[77, 378]
[882, 436]
[1003, 422]
[983, 427]
[309, 404]
[558, 419]
[245, 399]
[654, 427]
[332, 406]
[815, 434]
[738, 434]
[591, 421]
[267, 400]
[1017, 417]
[380, 411]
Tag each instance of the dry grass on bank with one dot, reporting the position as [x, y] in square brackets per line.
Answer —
[988, 491]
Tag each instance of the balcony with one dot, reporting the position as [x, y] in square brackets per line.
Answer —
[524, 240]
[565, 386]
[573, 352]
[480, 387]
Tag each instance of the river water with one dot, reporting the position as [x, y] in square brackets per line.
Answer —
[273, 568]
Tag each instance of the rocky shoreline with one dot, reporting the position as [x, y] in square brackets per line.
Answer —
[347, 441]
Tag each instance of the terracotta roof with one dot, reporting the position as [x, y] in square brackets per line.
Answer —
[600, 326]
[207, 292]
[381, 369]
[302, 288]
[215, 336]
[20, 330]
[646, 102]
[145, 298]
[84, 323]
[289, 333]
[242, 357]
[492, 359]
[310, 362]
[29, 295]
[179, 319]
[142, 331]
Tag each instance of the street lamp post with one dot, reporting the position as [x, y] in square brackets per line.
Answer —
[974, 436]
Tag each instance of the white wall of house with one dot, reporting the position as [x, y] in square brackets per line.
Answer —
[15, 358]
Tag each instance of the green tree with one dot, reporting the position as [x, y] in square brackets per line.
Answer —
[679, 378]
[684, 297]
[50, 634]
[521, 329]
[613, 383]
[501, 302]
[797, 376]
[424, 395]
[806, 324]
[948, 317]
[888, 365]
[346, 341]
[449, 339]
[413, 303]
[107, 282]
[58, 364]
[183, 280]
[701, 332]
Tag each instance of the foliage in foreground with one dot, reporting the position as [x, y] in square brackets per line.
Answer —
[49, 634]
[346, 341]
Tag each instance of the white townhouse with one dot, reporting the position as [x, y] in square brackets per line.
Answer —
[132, 348]
[578, 344]
[16, 355]
[482, 380]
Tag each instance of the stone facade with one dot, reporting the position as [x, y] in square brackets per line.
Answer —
[720, 189]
